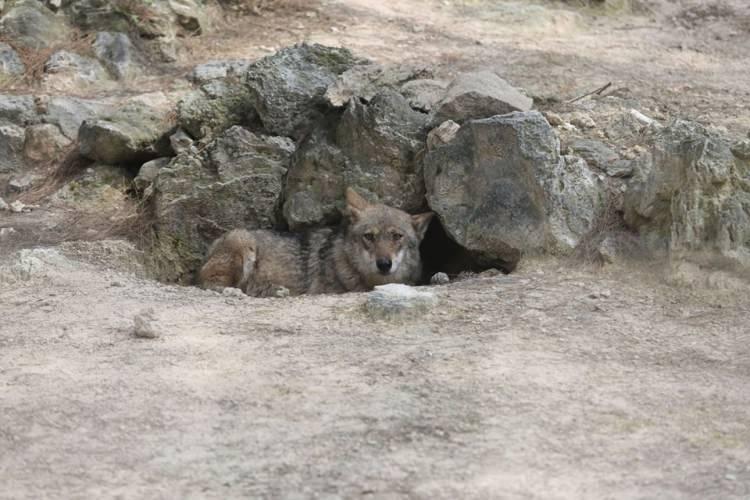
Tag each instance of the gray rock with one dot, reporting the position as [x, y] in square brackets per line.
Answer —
[10, 63]
[619, 168]
[574, 199]
[68, 70]
[11, 147]
[439, 279]
[133, 133]
[69, 113]
[148, 172]
[442, 134]
[287, 88]
[144, 326]
[4, 205]
[316, 181]
[365, 81]
[31, 24]
[381, 141]
[423, 94]
[397, 301]
[20, 184]
[303, 210]
[18, 207]
[486, 186]
[181, 142]
[6, 232]
[582, 120]
[44, 142]
[596, 153]
[479, 94]
[215, 107]
[741, 149]
[116, 52]
[17, 109]
[374, 148]
[218, 70]
[99, 15]
[236, 182]
[688, 197]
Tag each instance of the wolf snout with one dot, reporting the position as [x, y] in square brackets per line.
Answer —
[384, 265]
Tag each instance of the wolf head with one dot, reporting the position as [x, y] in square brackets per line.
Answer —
[383, 242]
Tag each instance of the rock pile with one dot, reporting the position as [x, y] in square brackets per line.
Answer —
[274, 143]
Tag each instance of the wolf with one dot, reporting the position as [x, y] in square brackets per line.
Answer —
[375, 245]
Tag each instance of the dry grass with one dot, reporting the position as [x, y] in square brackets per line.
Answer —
[34, 60]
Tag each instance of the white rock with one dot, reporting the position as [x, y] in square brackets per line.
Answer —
[394, 300]
[442, 134]
[439, 279]
[143, 325]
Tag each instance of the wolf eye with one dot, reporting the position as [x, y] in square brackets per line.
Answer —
[397, 236]
[370, 237]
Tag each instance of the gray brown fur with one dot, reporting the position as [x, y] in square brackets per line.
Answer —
[329, 260]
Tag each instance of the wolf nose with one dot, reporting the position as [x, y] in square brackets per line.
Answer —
[384, 265]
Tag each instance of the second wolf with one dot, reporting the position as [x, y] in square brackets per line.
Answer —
[377, 245]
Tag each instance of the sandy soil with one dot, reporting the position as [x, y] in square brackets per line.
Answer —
[554, 382]
[557, 381]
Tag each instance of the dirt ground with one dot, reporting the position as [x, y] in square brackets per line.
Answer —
[557, 381]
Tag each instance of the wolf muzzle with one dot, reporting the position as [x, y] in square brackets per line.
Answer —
[384, 265]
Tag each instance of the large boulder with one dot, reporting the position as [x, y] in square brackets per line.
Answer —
[18, 109]
[236, 182]
[287, 88]
[375, 146]
[690, 195]
[214, 107]
[382, 140]
[69, 113]
[478, 94]
[501, 189]
[30, 23]
[133, 134]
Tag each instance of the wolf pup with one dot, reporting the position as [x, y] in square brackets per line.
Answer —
[376, 245]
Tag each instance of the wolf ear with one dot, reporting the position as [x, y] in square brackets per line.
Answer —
[355, 204]
[421, 222]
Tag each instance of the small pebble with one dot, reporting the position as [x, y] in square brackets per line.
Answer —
[439, 279]
[232, 292]
[582, 120]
